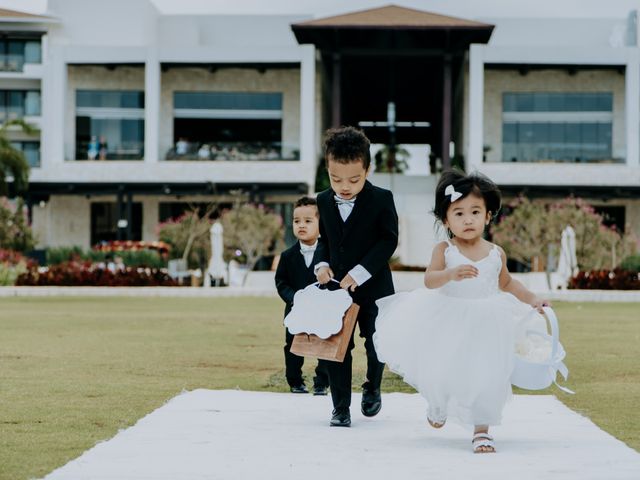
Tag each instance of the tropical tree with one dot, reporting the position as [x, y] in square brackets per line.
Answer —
[13, 163]
[251, 231]
[15, 233]
[534, 227]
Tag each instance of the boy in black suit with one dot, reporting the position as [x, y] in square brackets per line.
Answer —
[359, 227]
[295, 272]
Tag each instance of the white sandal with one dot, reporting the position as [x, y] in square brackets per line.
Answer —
[438, 420]
[436, 423]
[480, 440]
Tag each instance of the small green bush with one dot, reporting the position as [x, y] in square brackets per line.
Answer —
[632, 262]
[131, 258]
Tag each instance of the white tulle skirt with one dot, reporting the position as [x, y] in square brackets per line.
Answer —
[457, 352]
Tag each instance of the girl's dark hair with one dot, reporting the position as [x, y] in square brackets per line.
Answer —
[347, 145]
[474, 183]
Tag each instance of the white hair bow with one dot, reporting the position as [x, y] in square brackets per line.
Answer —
[452, 193]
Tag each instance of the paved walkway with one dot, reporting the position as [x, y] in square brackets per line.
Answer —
[239, 435]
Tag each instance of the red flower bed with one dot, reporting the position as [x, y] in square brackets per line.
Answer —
[132, 245]
[75, 274]
[11, 257]
[617, 279]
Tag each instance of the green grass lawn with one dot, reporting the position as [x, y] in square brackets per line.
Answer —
[75, 371]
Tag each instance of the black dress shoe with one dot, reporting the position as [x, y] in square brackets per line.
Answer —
[371, 400]
[340, 418]
[299, 389]
[320, 390]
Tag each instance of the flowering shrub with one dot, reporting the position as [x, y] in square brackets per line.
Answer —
[132, 245]
[188, 236]
[131, 258]
[533, 228]
[251, 231]
[83, 274]
[616, 279]
[12, 265]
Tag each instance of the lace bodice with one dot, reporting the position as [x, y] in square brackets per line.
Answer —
[485, 284]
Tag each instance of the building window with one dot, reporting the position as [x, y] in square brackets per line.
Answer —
[557, 127]
[104, 221]
[31, 151]
[109, 125]
[14, 53]
[229, 126]
[16, 104]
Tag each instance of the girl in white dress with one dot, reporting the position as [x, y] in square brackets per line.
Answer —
[456, 344]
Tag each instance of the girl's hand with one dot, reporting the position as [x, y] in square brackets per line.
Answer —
[538, 303]
[462, 272]
[325, 274]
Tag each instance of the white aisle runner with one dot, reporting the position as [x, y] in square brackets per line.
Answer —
[235, 435]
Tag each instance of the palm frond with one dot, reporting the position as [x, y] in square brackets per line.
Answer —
[12, 161]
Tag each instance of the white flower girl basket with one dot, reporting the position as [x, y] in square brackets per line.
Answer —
[537, 365]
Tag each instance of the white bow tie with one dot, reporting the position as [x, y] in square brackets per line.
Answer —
[343, 201]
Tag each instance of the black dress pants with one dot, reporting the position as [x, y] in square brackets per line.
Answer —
[293, 366]
[340, 374]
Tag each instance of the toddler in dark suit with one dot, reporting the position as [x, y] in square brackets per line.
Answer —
[359, 229]
[295, 272]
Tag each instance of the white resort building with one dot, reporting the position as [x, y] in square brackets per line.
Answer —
[141, 113]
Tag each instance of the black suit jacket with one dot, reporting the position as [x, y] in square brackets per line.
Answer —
[292, 274]
[368, 237]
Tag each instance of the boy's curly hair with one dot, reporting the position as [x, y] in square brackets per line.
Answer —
[347, 145]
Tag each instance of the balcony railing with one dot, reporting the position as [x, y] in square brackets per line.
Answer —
[233, 151]
[121, 151]
[14, 54]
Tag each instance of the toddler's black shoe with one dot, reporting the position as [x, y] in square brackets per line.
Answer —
[320, 390]
[299, 389]
[371, 400]
[340, 418]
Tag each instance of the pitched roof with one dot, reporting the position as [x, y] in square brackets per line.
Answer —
[391, 17]
[15, 15]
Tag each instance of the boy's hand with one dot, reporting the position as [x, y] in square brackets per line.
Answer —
[538, 303]
[348, 283]
[462, 272]
[324, 275]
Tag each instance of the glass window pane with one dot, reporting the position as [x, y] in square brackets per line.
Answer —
[509, 132]
[541, 102]
[573, 102]
[509, 102]
[16, 104]
[581, 140]
[33, 52]
[109, 99]
[228, 100]
[556, 102]
[32, 103]
[604, 102]
[524, 102]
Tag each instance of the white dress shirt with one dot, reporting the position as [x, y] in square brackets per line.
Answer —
[307, 252]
